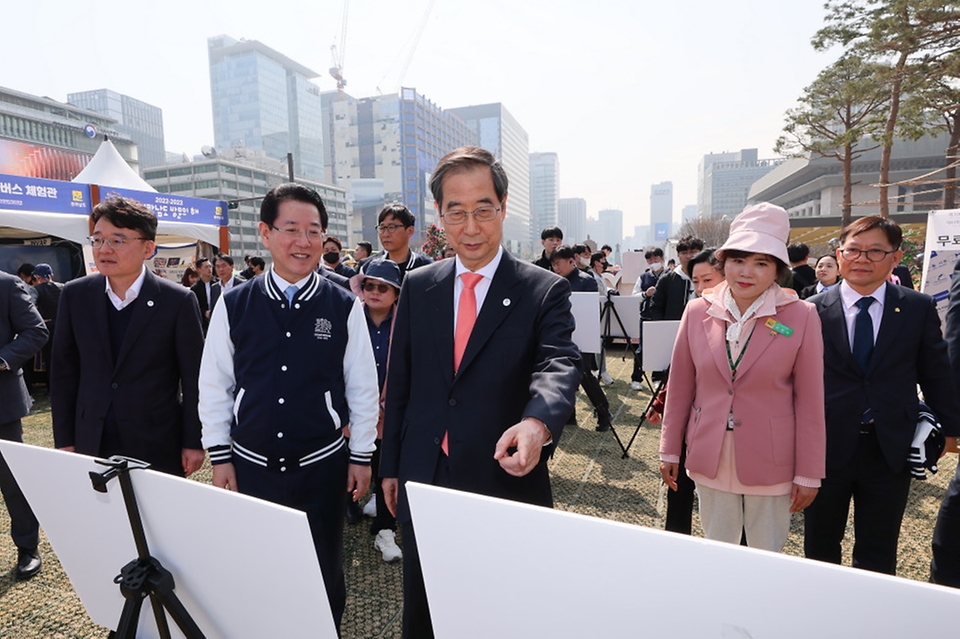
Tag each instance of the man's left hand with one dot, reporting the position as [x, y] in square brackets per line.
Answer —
[358, 480]
[192, 460]
[528, 437]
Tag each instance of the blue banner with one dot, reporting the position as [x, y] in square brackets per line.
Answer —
[19, 193]
[175, 208]
[662, 231]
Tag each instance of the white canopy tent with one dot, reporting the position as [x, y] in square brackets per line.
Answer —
[108, 169]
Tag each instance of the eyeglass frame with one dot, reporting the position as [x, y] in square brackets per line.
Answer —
[496, 212]
[865, 253]
[390, 229]
[116, 243]
[294, 234]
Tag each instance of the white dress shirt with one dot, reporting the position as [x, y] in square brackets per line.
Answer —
[850, 297]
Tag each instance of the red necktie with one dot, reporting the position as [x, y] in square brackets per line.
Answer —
[466, 318]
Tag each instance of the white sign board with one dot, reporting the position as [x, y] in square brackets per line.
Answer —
[628, 310]
[526, 564]
[586, 313]
[242, 567]
[941, 251]
[658, 340]
[632, 266]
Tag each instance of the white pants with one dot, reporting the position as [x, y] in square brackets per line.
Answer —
[766, 518]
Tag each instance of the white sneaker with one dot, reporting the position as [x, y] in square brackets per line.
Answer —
[633, 386]
[370, 509]
[606, 379]
[386, 543]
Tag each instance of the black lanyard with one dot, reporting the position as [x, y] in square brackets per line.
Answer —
[735, 364]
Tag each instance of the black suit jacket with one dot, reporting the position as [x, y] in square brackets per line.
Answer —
[159, 355]
[199, 289]
[671, 296]
[909, 350]
[520, 362]
[22, 334]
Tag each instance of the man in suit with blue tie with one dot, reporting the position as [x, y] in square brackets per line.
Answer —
[481, 363]
[880, 342]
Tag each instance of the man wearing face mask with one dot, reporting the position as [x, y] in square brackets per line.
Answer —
[582, 252]
[646, 286]
[331, 257]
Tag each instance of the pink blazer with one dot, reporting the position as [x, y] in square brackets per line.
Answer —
[777, 399]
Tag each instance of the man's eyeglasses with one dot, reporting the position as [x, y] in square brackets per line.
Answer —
[313, 235]
[482, 214]
[874, 255]
[116, 243]
[390, 228]
[380, 287]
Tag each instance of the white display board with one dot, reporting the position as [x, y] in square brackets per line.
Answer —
[242, 567]
[628, 309]
[632, 266]
[526, 564]
[941, 250]
[658, 340]
[586, 313]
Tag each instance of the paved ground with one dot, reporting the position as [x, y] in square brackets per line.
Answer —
[589, 477]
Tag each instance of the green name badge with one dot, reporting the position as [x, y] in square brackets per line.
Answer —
[774, 325]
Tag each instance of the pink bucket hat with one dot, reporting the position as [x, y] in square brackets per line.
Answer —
[761, 228]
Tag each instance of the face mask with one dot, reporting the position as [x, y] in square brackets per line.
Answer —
[656, 267]
[584, 262]
[331, 258]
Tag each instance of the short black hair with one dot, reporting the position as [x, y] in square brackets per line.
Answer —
[798, 251]
[223, 257]
[658, 252]
[890, 228]
[26, 269]
[597, 257]
[580, 248]
[367, 246]
[126, 213]
[606, 247]
[703, 256]
[689, 243]
[551, 231]
[201, 261]
[399, 212]
[335, 240]
[648, 255]
[257, 261]
[565, 252]
[290, 191]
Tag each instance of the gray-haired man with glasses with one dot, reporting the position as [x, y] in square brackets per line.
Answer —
[127, 342]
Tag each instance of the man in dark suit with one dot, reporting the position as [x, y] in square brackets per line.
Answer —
[459, 394]
[127, 341]
[223, 265]
[880, 341]
[674, 288]
[207, 290]
[22, 334]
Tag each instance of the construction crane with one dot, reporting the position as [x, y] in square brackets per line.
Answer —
[411, 48]
[336, 71]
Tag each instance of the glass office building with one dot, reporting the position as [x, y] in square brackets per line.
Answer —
[141, 121]
[264, 101]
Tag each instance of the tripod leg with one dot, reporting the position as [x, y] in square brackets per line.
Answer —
[643, 417]
[129, 618]
[180, 616]
[162, 626]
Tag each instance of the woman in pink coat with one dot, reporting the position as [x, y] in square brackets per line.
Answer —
[746, 391]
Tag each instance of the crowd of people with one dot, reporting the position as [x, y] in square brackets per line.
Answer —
[310, 381]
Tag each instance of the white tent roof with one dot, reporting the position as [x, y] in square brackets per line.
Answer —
[108, 168]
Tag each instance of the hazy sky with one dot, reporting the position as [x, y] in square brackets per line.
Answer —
[629, 93]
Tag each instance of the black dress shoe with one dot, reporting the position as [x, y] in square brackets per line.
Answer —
[354, 512]
[28, 564]
[603, 426]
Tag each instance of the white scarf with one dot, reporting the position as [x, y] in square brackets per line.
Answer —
[736, 327]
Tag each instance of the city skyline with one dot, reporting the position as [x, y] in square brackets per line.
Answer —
[627, 95]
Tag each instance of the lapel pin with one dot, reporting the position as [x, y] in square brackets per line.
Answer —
[506, 302]
[896, 309]
[149, 302]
